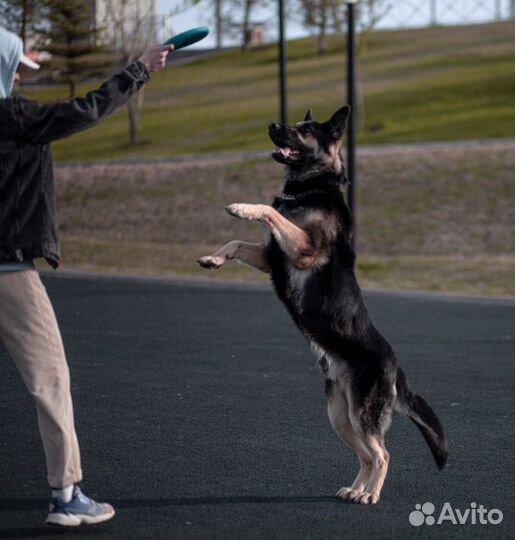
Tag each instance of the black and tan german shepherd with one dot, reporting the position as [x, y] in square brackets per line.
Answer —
[309, 255]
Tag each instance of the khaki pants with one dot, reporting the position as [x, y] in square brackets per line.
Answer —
[29, 331]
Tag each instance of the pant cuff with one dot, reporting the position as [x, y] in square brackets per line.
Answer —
[60, 483]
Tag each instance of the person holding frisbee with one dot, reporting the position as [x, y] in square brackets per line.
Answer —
[28, 231]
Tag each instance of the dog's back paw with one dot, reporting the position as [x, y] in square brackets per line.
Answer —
[357, 496]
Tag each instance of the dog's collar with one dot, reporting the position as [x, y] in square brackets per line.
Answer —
[292, 197]
[324, 185]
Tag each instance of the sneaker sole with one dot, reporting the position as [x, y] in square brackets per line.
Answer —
[69, 520]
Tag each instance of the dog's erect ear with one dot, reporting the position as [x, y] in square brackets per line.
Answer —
[309, 116]
[337, 123]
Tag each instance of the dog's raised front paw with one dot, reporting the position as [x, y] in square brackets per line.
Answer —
[210, 261]
[245, 211]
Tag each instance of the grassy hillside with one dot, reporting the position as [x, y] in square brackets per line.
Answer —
[416, 85]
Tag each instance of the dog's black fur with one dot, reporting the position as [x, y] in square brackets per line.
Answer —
[363, 382]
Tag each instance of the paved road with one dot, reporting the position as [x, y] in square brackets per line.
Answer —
[201, 416]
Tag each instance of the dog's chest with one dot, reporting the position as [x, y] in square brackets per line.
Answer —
[297, 286]
[291, 281]
[297, 283]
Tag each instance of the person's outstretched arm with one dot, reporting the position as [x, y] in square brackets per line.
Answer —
[43, 124]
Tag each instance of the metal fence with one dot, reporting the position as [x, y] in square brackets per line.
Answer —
[421, 13]
[375, 14]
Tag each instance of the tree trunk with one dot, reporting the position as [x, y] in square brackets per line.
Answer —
[23, 31]
[322, 28]
[360, 98]
[71, 86]
[246, 25]
[218, 19]
[133, 109]
[134, 106]
[131, 40]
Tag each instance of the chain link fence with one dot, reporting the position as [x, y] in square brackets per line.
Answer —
[422, 13]
[372, 14]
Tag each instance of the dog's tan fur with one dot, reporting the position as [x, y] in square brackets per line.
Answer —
[293, 240]
[252, 255]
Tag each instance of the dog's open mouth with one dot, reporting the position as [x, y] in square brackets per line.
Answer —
[287, 153]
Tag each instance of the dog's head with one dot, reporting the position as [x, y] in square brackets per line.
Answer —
[311, 146]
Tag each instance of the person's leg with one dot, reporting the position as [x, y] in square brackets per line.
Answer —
[29, 331]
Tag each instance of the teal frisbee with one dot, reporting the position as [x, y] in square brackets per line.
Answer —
[187, 38]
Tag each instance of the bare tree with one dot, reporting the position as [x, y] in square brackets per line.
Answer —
[323, 16]
[369, 14]
[233, 18]
[218, 22]
[246, 24]
[129, 29]
[221, 18]
[323, 6]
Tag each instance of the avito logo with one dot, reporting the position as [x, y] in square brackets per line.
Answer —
[474, 515]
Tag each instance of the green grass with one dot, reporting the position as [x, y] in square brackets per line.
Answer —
[418, 85]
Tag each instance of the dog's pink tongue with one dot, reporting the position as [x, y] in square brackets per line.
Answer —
[286, 151]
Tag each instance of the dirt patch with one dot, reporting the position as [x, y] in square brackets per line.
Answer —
[412, 203]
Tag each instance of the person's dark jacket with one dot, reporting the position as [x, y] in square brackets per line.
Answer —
[28, 225]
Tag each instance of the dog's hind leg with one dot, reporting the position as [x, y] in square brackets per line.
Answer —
[370, 419]
[337, 408]
[380, 461]
[252, 255]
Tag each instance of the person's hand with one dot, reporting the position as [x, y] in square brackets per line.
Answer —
[154, 58]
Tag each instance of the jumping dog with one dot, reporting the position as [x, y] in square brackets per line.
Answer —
[308, 253]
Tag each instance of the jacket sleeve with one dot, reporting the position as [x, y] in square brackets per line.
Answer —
[43, 124]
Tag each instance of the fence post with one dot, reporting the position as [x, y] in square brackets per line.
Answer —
[351, 124]
[283, 104]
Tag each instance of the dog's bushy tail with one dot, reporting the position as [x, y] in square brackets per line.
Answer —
[415, 408]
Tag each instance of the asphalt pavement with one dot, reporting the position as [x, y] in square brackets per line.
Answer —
[201, 415]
